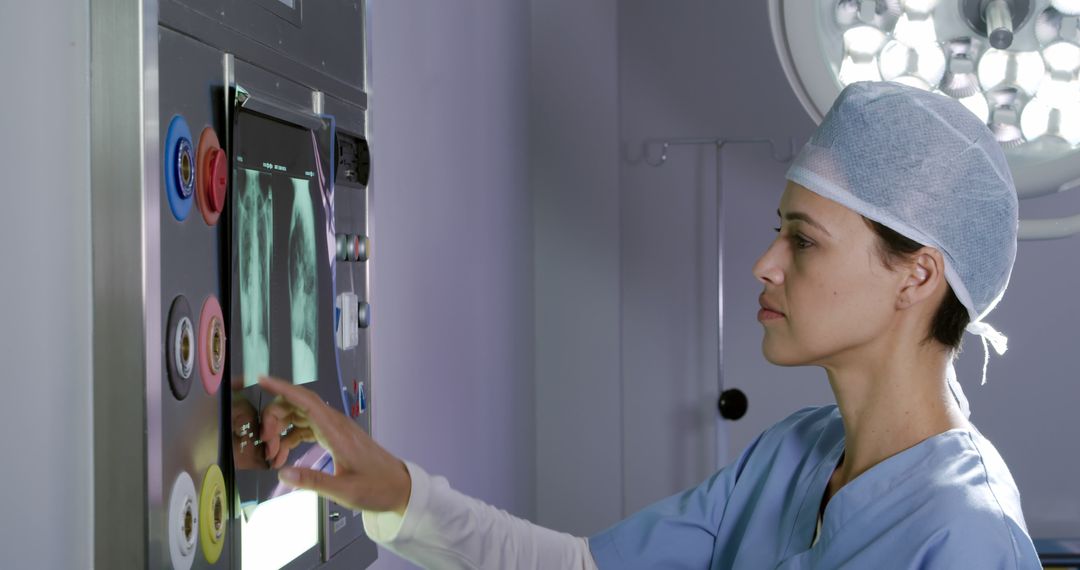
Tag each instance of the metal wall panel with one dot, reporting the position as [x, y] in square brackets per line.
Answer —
[143, 75]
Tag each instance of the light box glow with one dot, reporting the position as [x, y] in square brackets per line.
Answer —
[279, 530]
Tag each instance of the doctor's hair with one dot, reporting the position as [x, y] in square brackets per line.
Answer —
[951, 317]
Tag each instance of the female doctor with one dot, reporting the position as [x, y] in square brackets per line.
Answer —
[897, 233]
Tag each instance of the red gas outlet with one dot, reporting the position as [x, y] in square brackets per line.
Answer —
[213, 176]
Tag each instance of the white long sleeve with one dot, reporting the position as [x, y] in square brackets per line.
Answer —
[445, 529]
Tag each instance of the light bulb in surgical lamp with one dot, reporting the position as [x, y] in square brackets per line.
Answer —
[1024, 69]
[863, 42]
[977, 105]
[959, 80]
[920, 7]
[915, 32]
[1051, 25]
[1060, 88]
[881, 14]
[1062, 57]
[1040, 119]
[852, 71]
[1058, 93]
[1006, 105]
[912, 81]
[925, 61]
[1068, 7]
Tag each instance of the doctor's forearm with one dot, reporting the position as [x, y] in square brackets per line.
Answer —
[443, 528]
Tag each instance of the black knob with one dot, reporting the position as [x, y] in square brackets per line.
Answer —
[732, 404]
[363, 166]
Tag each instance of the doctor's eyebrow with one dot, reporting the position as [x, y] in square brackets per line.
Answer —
[803, 217]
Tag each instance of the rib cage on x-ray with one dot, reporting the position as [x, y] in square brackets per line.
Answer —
[261, 299]
[303, 290]
[255, 241]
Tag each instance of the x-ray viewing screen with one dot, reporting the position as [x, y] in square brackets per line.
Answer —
[283, 306]
[281, 322]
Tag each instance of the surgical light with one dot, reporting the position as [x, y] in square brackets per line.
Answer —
[925, 62]
[1071, 7]
[1015, 64]
[1022, 69]
[977, 104]
[852, 71]
[959, 79]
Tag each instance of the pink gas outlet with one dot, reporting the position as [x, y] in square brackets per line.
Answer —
[212, 347]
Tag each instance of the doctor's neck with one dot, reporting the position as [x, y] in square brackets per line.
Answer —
[892, 402]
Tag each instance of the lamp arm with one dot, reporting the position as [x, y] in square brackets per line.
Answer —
[1050, 228]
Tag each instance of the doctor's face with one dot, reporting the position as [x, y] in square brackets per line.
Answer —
[823, 276]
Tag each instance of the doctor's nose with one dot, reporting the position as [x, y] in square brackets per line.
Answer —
[767, 270]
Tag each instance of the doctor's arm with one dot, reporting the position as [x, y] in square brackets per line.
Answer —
[415, 515]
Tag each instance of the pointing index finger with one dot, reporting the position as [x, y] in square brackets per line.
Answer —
[304, 400]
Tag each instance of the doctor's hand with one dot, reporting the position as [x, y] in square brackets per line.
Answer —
[366, 476]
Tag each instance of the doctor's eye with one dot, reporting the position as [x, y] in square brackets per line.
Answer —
[800, 241]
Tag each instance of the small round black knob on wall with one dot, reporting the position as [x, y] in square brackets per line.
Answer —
[732, 404]
[363, 169]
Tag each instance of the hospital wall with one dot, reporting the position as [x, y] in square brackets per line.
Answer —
[573, 176]
[709, 69]
[45, 482]
[451, 241]
[452, 245]
[508, 217]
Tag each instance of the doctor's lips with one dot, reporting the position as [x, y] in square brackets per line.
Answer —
[768, 311]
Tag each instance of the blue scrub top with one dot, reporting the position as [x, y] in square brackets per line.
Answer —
[947, 502]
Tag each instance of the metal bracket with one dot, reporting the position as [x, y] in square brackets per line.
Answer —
[718, 142]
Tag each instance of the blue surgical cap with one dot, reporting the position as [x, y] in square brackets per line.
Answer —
[923, 165]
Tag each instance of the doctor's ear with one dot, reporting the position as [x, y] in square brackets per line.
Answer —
[923, 276]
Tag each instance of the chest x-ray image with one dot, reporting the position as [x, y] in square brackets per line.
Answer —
[303, 294]
[279, 276]
[254, 243]
[282, 287]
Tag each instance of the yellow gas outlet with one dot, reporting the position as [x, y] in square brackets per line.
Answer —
[213, 517]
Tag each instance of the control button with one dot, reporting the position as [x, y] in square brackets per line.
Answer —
[360, 251]
[354, 248]
[355, 399]
[343, 247]
[363, 315]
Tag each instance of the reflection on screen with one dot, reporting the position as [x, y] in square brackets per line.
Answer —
[282, 300]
